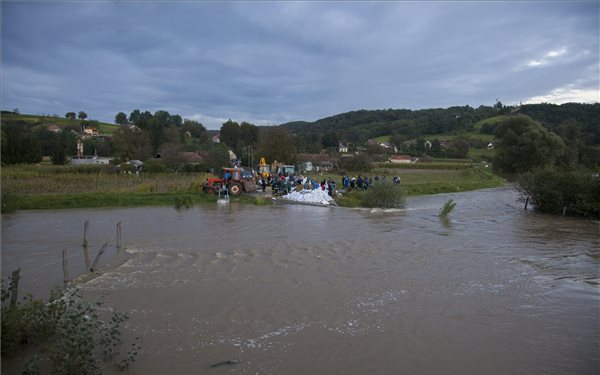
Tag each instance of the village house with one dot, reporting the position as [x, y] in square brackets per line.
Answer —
[91, 131]
[342, 147]
[317, 162]
[54, 129]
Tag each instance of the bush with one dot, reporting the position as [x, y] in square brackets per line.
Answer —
[447, 208]
[81, 339]
[558, 191]
[183, 201]
[127, 168]
[384, 194]
[153, 166]
[146, 188]
[8, 203]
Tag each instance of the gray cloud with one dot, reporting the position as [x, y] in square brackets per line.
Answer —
[268, 63]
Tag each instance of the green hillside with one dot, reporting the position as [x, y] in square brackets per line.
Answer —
[45, 121]
[444, 124]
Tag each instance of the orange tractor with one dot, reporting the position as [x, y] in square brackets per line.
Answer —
[233, 180]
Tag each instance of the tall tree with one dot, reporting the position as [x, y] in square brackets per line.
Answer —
[121, 118]
[276, 143]
[249, 133]
[82, 115]
[163, 117]
[19, 145]
[175, 120]
[230, 133]
[131, 144]
[70, 115]
[196, 129]
[524, 145]
[157, 133]
[135, 116]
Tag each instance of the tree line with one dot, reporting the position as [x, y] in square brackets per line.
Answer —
[558, 173]
[357, 127]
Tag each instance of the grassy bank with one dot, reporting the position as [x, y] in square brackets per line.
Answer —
[51, 187]
[423, 182]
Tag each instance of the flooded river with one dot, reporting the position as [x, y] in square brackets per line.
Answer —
[291, 289]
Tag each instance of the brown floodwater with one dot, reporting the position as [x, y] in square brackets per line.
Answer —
[293, 289]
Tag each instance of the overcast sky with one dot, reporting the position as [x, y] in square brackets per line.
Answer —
[273, 62]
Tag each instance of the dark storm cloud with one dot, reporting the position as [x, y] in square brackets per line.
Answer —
[275, 62]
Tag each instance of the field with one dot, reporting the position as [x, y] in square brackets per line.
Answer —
[52, 187]
[103, 127]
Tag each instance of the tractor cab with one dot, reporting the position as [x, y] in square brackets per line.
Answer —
[232, 181]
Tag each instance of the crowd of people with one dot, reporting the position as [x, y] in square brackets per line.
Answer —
[283, 184]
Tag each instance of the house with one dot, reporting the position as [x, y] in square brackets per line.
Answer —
[342, 147]
[400, 159]
[490, 146]
[54, 129]
[216, 138]
[91, 131]
[326, 166]
[427, 144]
[90, 159]
[187, 134]
[134, 128]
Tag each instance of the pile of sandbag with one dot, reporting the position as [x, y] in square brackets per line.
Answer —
[309, 196]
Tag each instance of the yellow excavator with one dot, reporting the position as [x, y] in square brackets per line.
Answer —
[264, 169]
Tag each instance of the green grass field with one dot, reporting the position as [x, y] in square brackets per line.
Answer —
[103, 127]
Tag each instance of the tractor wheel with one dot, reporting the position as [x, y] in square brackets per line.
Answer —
[235, 189]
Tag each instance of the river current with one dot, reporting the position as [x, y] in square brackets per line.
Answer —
[294, 289]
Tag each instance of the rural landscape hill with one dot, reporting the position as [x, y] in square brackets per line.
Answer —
[359, 126]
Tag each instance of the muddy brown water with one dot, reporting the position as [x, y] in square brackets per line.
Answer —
[289, 289]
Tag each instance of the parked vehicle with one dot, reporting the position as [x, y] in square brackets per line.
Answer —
[232, 180]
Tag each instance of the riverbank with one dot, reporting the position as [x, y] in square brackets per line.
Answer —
[42, 187]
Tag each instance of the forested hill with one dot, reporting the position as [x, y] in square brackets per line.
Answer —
[358, 126]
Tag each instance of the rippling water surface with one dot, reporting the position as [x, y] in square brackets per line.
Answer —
[291, 289]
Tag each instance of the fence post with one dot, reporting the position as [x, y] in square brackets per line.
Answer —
[100, 252]
[65, 266]
[119, 235]
[85, 229]
[14, 287]
[86, 258]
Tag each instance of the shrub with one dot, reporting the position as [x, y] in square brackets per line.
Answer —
[146, 188]
[153, 166]
[447, 208]
[384, 194]
[127, 168]
[8, 203]
[183, 201]
[558, 191]
[81, 339]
